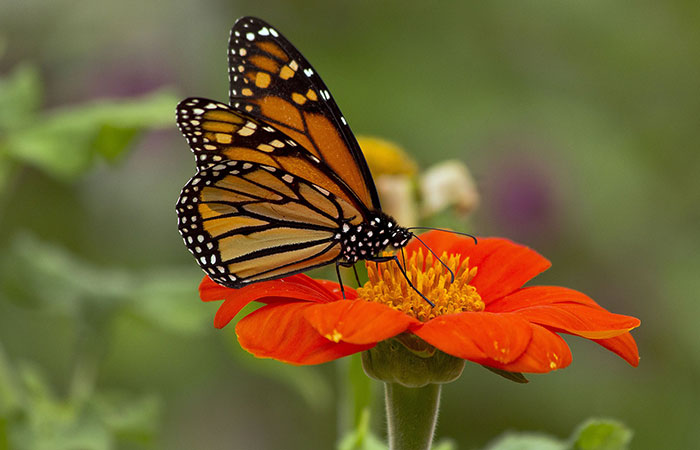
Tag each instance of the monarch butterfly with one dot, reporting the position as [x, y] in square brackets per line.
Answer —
[281, 185]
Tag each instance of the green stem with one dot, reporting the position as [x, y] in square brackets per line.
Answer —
[411, 415]
[89, 347]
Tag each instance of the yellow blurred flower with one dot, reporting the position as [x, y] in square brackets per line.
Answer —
[409, 196]
[385, 157]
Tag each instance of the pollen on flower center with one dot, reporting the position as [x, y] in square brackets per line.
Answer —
[387, 285]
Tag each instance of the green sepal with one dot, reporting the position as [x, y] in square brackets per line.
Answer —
[392, 362]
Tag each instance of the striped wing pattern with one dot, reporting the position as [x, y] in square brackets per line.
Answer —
[247, 222]
[216, 132]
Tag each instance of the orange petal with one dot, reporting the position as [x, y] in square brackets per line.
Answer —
[547, 351]
[210, 291]
[294, 288]
[334, 289]
[502, 266]
[540, 296]
[478, 336]
[280, 331]
[623, 346]
[357, 321]
[567, 310]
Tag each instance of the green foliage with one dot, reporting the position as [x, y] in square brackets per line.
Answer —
[515, 377]
[37, 419]
[527, 441]
[44, 276]
[594, 434]
[20, 97]
[47, 276]
[360, 388]
[597, 434]
[67, 141]
[361, 438]
[306, 381]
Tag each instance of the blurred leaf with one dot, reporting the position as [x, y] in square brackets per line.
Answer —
[6, 168]
[49, 424]
[65, 142]
[594, 434]
[526, 441]
[49, 276]
[307, 381]
[361, 387]
[112, 140]
[361, 438]
[512, 376]
[20, 97]
[55, 278]
[129, 417]
[9, 391]
[445, 444]
[598, 434]
[169, 300]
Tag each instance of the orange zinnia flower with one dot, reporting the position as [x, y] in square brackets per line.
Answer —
[484, 316]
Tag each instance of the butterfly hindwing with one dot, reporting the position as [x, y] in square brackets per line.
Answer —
[272, 81]
[247, 222]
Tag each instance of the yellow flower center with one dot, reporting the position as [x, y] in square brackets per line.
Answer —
[387, 285]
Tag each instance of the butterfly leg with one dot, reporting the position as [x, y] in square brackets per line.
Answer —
[340, 279]
[357, 277]
[395, 258]
[337, 271]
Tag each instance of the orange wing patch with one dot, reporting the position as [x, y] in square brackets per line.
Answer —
[273, 49]
[336, 154]
[267, 64]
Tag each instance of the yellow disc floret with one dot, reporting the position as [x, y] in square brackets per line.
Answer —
[429, 276]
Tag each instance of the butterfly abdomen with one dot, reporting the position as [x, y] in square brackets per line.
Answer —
[368, 239]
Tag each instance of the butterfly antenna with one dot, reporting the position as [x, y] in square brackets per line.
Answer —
[444, 231]
[452, 274]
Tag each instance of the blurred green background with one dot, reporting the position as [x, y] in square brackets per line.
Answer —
[579, 120]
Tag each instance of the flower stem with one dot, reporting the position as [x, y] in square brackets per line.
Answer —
[411, 415]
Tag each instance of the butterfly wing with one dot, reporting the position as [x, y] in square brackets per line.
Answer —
[217, 133]
[246, 221]
[271, 81]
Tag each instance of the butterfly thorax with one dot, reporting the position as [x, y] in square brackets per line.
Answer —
[371, 237]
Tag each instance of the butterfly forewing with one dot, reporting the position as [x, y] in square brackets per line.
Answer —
[218, 133]
[272, 81]
[247, 222]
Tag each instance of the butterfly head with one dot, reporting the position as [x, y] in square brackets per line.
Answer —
[399, 236]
